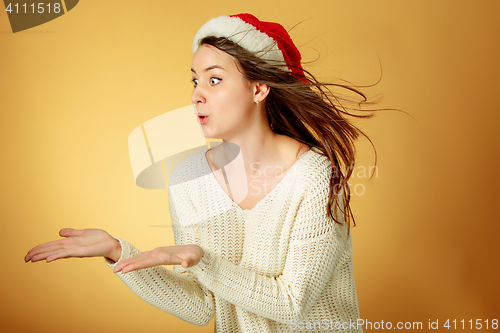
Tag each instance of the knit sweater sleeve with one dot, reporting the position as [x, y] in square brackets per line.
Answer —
[314, 250]
[177, 292]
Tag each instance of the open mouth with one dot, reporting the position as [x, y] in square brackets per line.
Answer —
[202, 119]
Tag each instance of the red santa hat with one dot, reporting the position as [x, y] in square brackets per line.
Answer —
[268, 40]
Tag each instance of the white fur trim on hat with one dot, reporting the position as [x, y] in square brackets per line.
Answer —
[242, 33]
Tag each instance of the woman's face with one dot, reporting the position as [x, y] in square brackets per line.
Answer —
[221, 94]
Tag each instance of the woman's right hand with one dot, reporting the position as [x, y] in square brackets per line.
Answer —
[79, 244]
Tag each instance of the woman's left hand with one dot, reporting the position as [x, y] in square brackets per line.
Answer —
[184, 255]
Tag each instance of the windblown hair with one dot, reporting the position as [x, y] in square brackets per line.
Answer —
[305, 109]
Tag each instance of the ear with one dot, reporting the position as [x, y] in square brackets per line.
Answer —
[260, 91]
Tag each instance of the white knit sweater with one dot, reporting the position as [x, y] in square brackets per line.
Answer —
[283, 266]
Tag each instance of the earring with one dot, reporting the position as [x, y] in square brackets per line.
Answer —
[257, 101]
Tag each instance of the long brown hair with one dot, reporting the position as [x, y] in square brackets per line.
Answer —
[301, 107]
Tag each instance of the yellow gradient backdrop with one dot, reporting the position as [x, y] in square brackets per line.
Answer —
[71, 91]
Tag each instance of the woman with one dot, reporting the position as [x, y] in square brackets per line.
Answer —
[261, 222]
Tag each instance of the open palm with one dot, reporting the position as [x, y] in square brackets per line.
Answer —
[184, 255]
[77, 243]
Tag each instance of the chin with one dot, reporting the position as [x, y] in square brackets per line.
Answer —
[211, 135]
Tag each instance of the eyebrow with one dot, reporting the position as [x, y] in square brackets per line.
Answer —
[209, 68]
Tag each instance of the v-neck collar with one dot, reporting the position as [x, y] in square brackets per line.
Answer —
[275, 188]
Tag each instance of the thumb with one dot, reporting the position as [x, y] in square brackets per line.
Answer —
[185, 263]
[68, 232]
[184, 259]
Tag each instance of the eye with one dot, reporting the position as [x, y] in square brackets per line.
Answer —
[214, 80]
[195, 82]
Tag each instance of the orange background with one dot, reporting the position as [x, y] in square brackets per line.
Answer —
[73, 89]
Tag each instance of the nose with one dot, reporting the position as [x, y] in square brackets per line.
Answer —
[198, 96]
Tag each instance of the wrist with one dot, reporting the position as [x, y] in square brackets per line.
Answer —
[116, 251]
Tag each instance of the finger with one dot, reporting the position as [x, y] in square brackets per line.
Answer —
[125, 262]
[45, 255]
[69, 232]
[184, 262]
[187, 262]
[122, 264]
[148, 259]
[57, 255]
[71, 250]
[140, 263]
[132, 260]
[130, 264]
[43, 246]
[119, 266]
[128, 268]
[186, 259]
[41, 249]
